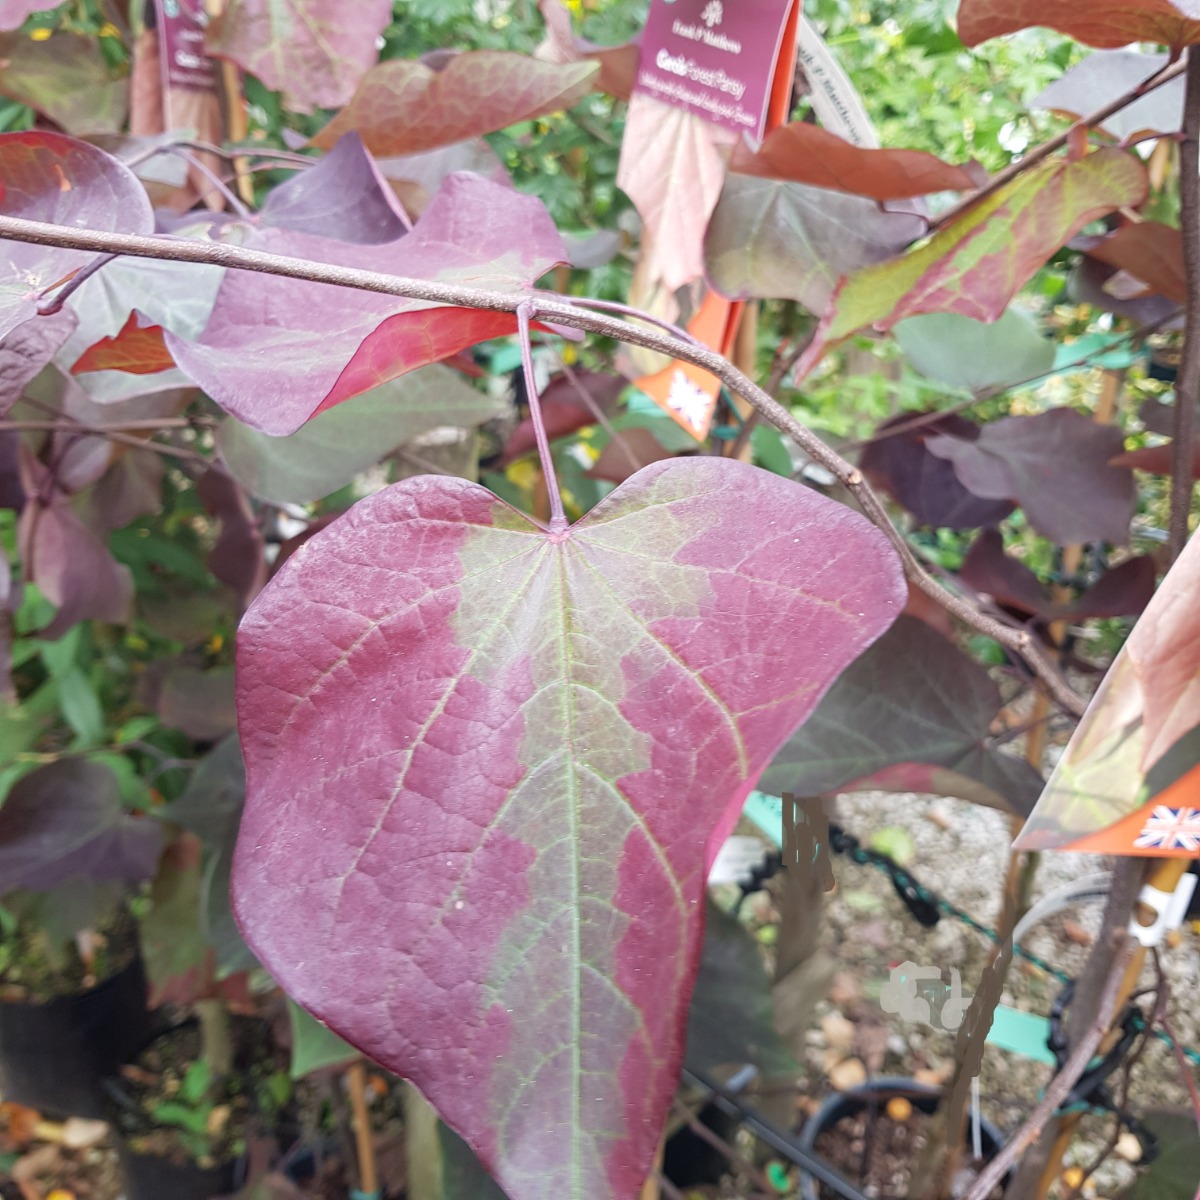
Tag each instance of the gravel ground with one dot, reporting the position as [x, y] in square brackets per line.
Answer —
[961, 852]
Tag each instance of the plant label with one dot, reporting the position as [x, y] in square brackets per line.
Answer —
[185, 64]
[717, 58]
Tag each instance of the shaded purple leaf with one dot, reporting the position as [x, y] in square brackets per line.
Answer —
[567, 406]
[342, 196]
[1085, 285]
[52, 178]
[25, 350]
[914, 699]
[1122, 591]
[199, 703]
[237, 559]
[130, 488]
[492, 878]
[67, 561]
[278, 351]
[901, 464]
[65, 821]
[1055, 465]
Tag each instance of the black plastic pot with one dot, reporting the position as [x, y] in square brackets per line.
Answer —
[148, 1176]
[876, 1094]
[54, 1055]
[152, 1177]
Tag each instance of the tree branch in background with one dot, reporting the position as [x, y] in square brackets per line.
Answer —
[1187, 384]
[1038, 153]
[555, 309]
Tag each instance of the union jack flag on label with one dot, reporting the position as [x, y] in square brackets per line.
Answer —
[1171, 829]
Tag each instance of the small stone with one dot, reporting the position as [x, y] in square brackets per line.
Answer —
[839, 1031]
[899, 1109]
[1075, 933]
[81, 1134]
[1129, 1148]
[849, 1073]
[1072, 1177]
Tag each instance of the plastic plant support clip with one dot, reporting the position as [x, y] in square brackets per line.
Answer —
[1169, 908]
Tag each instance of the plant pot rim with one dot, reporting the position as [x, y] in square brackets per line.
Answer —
[838, 1105]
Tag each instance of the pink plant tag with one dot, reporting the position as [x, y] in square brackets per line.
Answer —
[717, 58]
[185, 63]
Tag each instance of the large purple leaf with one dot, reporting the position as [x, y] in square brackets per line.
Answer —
[343, 196]
[277, 351]
[404, 106]
[1055, 465]
[313, 52]
[492, 878]
[1102, 77]
[49, 177]
[65, 821]
[913, 701]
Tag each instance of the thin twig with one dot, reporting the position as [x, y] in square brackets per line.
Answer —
[1187, 384]
[526, 312]
[1035, 156]
[779, 372]
[48, 308]
[1061, 1085]
[555, 309]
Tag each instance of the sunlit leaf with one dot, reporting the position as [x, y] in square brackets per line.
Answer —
[975, 265]
[1147, 704]
[52, 178]
[1104, 23]
[404, 107]
[912, 714]
[313, 52]
[672, 168]
[278, 351]
[808, 154]
[491, 878]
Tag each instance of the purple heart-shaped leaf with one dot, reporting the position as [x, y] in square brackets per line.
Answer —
[486, 763]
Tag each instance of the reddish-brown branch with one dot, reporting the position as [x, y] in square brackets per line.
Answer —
[556, 310]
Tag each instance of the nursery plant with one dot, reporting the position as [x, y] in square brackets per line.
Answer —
[504, 680]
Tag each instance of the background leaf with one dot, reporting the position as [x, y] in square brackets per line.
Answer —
[912, 699]
[1104, 23]
[313, 52]
[404, 106]
[334, 447]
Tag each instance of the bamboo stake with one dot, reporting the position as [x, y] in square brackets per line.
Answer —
[368, 1171]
